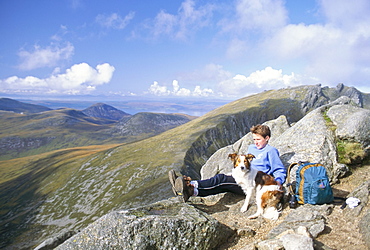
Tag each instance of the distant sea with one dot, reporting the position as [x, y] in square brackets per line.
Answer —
[194, 107]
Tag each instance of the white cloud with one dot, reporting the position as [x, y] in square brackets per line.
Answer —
[268, 78]
[337, 50]
[345, 14]
[235, 86]
[159, 90]
[44, 57]
[164, 23]
[180, 91]
[198, 91]
[79, 79]
[248, 24]
[310, 42]
[115, 21]
[183, 23]
[256, 15]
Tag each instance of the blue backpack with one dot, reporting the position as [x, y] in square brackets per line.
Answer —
[312, 184]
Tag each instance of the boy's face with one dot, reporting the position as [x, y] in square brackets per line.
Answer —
[260, 141]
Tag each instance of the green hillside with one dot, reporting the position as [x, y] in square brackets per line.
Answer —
[24, 135]
[8, 104]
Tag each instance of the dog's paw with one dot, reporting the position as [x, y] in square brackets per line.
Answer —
[254, 216]
[243, 209]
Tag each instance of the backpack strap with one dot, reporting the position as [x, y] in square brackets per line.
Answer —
[289, 184]
[293, 200]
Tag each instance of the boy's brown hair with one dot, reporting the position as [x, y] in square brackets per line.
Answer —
[262, 130]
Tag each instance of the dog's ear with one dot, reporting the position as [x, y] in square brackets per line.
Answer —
[232, 156]
[250, 157]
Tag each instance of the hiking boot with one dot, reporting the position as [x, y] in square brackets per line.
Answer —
[172, 176]
[187, 179]
[183, 188]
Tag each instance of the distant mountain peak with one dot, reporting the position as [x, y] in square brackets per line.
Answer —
[105, 111]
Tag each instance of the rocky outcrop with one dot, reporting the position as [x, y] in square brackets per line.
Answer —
[168, 224]
[294, 103]
[55, 241]
[215, 222]
[365, 228]
[362, 211]
[352, 123]
[219, 163]
[311, 217]
[236, 126]
[351, 92]
[314, 98]
[362, 193]
[310, 139]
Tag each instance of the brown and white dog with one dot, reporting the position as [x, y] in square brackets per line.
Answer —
[268, 192]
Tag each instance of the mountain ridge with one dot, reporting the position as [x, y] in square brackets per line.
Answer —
[12, 105]
[33, 133]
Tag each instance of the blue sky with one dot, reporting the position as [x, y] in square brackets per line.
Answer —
[215, 48]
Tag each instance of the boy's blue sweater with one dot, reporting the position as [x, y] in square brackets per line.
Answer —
[267, 160]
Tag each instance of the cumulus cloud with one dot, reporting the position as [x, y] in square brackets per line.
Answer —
[238, 85]
[44, 57]
[337, 50]
[235, 86]
[266, 79]
[79, 79]
[159, 90]
[114, 21]
[334, 49]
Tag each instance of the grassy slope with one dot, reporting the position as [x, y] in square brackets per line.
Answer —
[20, 107]
[25, 182]
[53, 129]
[57, 129]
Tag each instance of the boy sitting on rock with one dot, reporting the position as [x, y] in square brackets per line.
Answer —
[266, 160]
